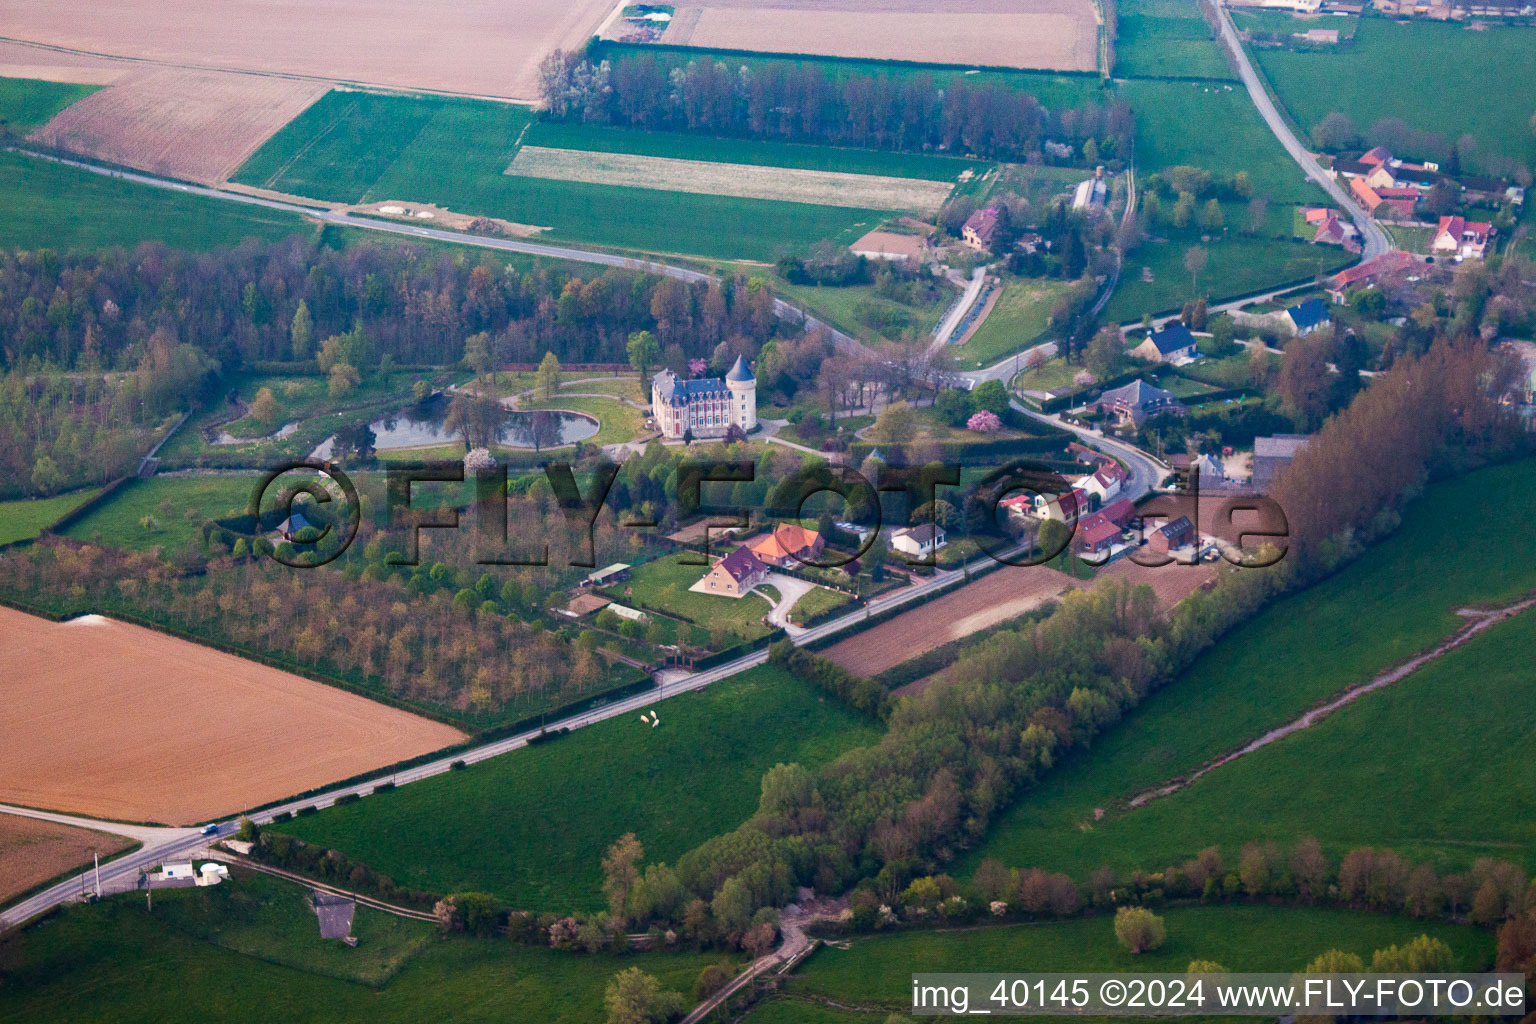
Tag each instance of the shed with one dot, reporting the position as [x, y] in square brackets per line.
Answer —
[618, 572]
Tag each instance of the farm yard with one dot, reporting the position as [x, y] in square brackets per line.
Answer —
[782, 184]
[194, 125]
[478, 48]
[113, 720]
[1052, 34]
[1000, 595]
[33, 851]
[1373, 614]
[532, 827]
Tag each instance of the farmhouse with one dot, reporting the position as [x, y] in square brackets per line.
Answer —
[787, 545]
[706, 406]
[1272, 454]
[1137, 402]
[1172, 342]
[734, 575]
[1308, 316]
[919, 541]
[1331, 230]
[1464, 239]
[981, 228]
[1096, 534]
[1363, 275]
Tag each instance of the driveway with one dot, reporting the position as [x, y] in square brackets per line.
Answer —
[791, 589]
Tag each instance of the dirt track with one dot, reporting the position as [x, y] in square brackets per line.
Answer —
[114, 721]
[32, 851]
[1000, 595]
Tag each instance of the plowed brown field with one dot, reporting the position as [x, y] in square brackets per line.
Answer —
[1000, 595]
[481, 47]
[32, 851]
[115, 721]
[196, 125]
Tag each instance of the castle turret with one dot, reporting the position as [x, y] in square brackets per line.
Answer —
[743, 388]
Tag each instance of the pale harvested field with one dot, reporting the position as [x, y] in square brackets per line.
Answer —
[195, 125]
[1000, 595]
[746, 181]
[1057, 34]
[32, 851]
[480, 47]
[110, 720]
[18, 60]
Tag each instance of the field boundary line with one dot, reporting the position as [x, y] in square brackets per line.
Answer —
[1483, 620]
[366, 901]
[272, 179]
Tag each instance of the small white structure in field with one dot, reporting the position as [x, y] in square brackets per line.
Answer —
[212, 874]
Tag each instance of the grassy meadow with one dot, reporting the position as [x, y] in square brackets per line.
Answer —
[532, 826]
[25, 518]
[1398, 599]
[874, 972]
[1166, 38]
[179, 505]
[1435, 77]
[1021, 315]
[205, 954]
[364, 147]
[27, 103]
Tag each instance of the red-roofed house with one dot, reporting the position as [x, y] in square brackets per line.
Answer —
[1105, 482]
[1365, 195]
[1119, 512]
[1376, 156]
[979, 229]
[1465, 239]
[1096, 534]
[1363, 275]
[1333, 231]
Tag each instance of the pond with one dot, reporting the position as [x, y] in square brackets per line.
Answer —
[421, 424]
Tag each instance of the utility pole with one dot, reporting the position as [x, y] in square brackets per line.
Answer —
[97, 855]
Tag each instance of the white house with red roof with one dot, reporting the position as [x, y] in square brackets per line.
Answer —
[1464, 239]
[1105, 483]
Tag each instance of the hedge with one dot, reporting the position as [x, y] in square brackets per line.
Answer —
[854, 692]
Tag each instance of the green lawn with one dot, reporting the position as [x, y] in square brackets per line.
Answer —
[270, 919]
[27, 517]
[64, 208]
[532, 826]
[116, 962]
[663, 584]
[1213, 125]
[858, 311]
[210, 497]
[1235, 265]
[1048, 376]
[816, 602]
[26, 103]
[1376, 612]
[1161, 38]
[875, 971]
[1021, 315]
[354, 147]
[617, 420]
[1432, 76]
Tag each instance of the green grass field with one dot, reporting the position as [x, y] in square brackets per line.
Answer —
[27, 103]
[663, 584]
[1398, 599]
[874, 972]
[1213, 125]
[1433, 76]
[858, 311]
[1392, 770]
[617, 421]
[167, 500]
[116, 962]
[532, 826]
[1022, 314]
[356, 147]
[1163, 38]
[44, 204]
[1235, 265]
[26, 518]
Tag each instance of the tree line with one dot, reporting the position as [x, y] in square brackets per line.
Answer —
[807, 102]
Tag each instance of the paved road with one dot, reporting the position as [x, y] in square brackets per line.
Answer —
[1374, 236]
[781, 308]
[957, 313]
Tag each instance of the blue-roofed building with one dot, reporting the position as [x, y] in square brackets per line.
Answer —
[706, 406]
[1308, 316]
[1174, 341]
